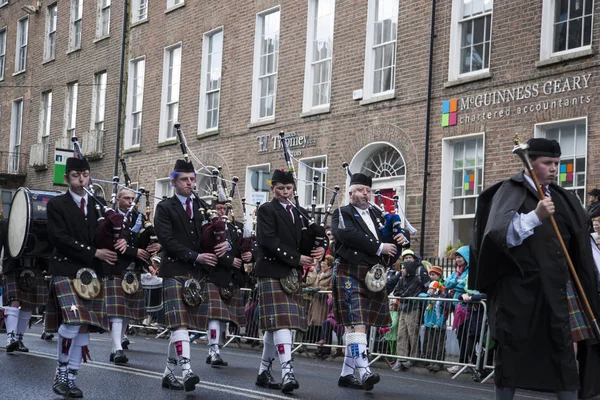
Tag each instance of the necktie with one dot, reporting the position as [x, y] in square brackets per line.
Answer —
[82, 205]
[289, 210]
[188, 208]
[546, 191]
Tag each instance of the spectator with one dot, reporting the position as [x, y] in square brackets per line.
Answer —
[330, 249]
[469, 332]
[317, 309]
[434, 319]
[596, 228]
[391, 332]
[330, 325]
[409, 319]
[456, 286]
[593, 198]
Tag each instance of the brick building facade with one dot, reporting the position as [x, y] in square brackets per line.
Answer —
[235, 73]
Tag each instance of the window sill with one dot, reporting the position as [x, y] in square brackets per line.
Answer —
[136, 149]
[138, 23]
[378, 98]
[39, 167]
[74, 50]
[315, 111]
[48, 61]
[101, 38]
[168, 142]
[261, 123]
[3, 5]
[175, 7]
[19, 72]
[204, 134]
[467, 79]
[564, 57]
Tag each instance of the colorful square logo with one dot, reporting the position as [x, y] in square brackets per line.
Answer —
[449, 111]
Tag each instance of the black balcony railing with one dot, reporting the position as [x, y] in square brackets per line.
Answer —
[13, 163]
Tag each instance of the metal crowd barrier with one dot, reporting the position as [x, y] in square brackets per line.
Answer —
[425, 331]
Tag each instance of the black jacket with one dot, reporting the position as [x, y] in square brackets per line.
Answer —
[130, 255]
[72, 235]
[179, 236]
[224, 272]
[356, 244]
[278, 240]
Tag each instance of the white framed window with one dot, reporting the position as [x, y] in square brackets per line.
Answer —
[319, 49]
[305, 183]
[169, 112]
[16, 127]
[103, 18]
[266, 55]
[98, 101]
[22, 38]
[380, 52]
[2, 52]
[572, 136]
[566, 27]
[75, 28]
[470, 38]
[71, 109]
[163, 189]
[462, 182]
[139, 10]
[135, 101]
[257, 187]
[45, 117]
[173, 3]
[50, 38]
[210, 83]
[3, 2]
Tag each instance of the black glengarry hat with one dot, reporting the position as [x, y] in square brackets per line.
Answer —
[77, 164]
[594, 192]
[183, 166]
[542, 147]
[280, 176]
[361, 179]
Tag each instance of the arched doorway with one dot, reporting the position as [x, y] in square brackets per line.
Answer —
[385, 165]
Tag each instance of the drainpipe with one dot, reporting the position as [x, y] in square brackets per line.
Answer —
[120, 95]
[427, 118]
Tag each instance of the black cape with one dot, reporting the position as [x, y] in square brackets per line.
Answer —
[527, 310]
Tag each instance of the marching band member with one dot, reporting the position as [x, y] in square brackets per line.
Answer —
[359, 245]
[24, 289]
[120, 306]
[224, 301]
[178, 226]
[278, 236]
[74, 307]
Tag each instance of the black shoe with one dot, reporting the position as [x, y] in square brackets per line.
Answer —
[350, 381]
[125, 344]
[61, 384]
[265, 380]
[119, 357]
[190, 381]
[289, 383]
[12, 346]
[47, 336]
[217, 361]
[170, 382]
[369, 380]
[21, 347]
[74, 391]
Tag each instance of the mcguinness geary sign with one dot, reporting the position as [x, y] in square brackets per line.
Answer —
[560, 93]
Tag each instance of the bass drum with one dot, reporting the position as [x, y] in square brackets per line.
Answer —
[27, 223]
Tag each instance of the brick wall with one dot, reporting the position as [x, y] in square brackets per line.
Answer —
[340, 133]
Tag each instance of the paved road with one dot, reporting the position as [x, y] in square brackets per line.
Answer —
[29, 376]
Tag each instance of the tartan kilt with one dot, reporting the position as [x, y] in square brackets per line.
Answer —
[580, 329]
[118, 304]
[38, 296]
[177, 313]
[278, 309]
[61, 299]
[215, 307]
[353, 302]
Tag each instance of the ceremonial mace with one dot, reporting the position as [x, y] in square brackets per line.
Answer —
[520, 149]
